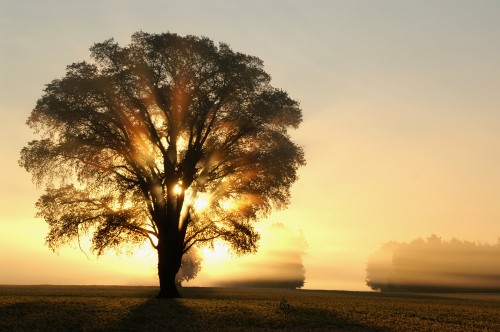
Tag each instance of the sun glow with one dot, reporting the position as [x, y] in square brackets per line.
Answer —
[216, 255]
[227, 205]
[201, 202]
[178, 189]
[145, 252]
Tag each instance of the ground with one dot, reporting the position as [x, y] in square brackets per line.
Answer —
[108, 308]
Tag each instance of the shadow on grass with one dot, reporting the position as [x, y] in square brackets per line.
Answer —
[158, 315]
[191, 314]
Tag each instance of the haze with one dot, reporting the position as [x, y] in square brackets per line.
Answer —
[401, 122]
[433, 264]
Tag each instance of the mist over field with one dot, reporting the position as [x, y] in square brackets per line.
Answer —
[433, 264]
[277, 263]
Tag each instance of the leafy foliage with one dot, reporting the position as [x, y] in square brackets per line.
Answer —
[130, 141]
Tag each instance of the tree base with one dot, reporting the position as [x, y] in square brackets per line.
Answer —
[168, 294]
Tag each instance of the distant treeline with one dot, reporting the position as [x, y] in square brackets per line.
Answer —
[434, 265]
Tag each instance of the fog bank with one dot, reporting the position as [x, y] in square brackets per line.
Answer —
[435, 265]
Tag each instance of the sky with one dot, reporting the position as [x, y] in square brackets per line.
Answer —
[401, 122]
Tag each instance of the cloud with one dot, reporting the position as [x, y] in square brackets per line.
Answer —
[435, 265]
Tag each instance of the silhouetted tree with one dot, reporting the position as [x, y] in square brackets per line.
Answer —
[131, 140]
[190, 266]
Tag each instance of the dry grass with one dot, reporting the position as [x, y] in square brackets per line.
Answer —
[96, 308]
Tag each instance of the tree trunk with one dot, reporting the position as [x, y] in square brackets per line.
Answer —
[168, 266]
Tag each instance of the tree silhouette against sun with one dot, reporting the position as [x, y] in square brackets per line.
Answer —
[172, 139]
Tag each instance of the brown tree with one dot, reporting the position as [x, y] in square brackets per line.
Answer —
[131, 141]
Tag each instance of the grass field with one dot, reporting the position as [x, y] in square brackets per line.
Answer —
[103, 308]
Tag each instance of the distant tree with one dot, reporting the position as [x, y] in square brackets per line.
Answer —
[278, 264]
[133, 140]
[434, 265]
[379, 266]
[190, 266]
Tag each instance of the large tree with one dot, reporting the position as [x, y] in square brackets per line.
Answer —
[172, 139]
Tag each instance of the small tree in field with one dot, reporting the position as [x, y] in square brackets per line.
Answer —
[190, 266]
[172, 139]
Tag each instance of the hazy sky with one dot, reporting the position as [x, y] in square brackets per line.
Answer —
[401, 126]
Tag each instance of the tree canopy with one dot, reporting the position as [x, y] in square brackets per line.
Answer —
[170, 138]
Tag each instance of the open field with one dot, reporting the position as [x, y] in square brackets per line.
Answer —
[106, 308]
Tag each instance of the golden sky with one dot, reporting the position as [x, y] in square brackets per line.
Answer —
[401, 121]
